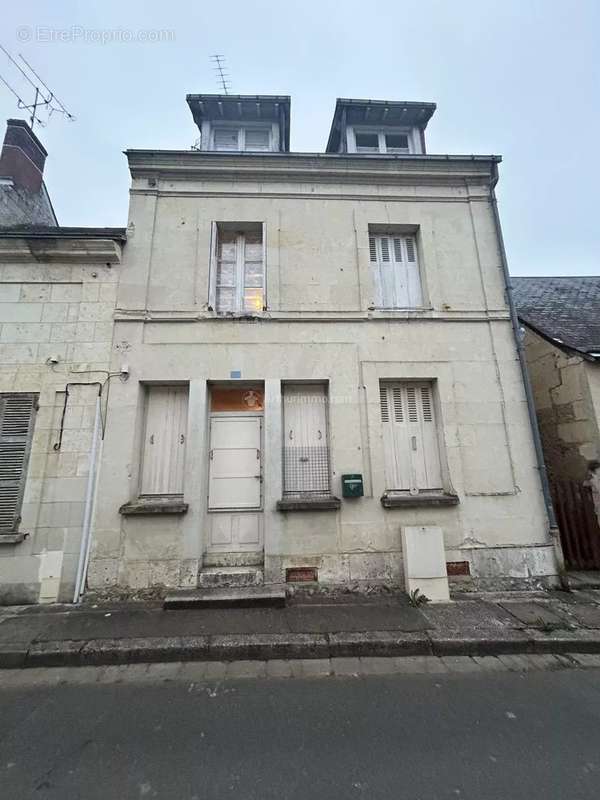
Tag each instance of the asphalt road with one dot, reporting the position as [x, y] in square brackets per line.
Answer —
[473, 737]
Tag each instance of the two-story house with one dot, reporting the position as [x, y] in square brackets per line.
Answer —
[319, 354]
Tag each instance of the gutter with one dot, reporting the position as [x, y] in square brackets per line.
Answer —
[537, 441]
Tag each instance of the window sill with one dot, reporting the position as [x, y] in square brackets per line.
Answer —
[308, 504]
[418, 500]
[12, 538]
[152, 506]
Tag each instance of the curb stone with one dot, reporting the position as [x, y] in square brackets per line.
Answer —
[290, 646]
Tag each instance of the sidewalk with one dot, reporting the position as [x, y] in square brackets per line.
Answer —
[317, 627]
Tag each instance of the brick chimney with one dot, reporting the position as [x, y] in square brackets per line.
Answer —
[23, 156]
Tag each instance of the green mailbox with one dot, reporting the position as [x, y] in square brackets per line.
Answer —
[352, 486]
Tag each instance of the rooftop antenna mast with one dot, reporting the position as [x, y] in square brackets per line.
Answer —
[44, 97]
[221, 71]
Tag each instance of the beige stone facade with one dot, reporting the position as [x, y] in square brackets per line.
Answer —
[320, 323]
[57, 300]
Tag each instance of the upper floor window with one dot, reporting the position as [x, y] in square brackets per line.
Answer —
[242, 138]
[382, 141]
[396, 270]
[238, 269]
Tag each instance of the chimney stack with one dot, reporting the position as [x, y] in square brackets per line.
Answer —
[23, 156]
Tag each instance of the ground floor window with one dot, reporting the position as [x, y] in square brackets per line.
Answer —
[410, 437]
[306, 468]
[165, 429]
[17, 417]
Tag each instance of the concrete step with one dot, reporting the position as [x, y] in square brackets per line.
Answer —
[241, 559]
[231, 597]
[222, 577]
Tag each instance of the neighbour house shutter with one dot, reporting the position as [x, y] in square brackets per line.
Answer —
[164, 440]
[17, 414]
[397, 275]
[410, 437]
[305, 446]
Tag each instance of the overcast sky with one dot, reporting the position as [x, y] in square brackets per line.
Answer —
[519, 78]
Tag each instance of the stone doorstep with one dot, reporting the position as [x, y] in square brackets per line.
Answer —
[252, 647]
[229, 597]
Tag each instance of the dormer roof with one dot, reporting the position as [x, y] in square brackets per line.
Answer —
[377, 113]
[243, 108]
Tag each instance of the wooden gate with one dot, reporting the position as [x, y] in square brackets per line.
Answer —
[578, 524]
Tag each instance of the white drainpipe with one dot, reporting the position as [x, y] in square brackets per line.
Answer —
[86, 533]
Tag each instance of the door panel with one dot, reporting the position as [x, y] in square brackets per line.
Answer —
[235, 463]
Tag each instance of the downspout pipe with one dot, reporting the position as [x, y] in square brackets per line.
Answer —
[84, 548]
[537, 441]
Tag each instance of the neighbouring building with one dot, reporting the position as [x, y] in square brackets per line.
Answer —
[317, 356]
[24, 199]
[57, 300]
[561, 321]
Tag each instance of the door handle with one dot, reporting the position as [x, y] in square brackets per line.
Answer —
[413, 442]
[258, 454]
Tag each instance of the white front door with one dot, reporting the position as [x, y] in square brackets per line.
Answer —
[235, 463]
[235, 482]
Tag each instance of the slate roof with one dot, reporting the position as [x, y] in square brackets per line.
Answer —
[566, 310]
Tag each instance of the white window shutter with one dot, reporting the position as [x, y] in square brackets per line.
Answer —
[17, 414]
[413, 276]
[164, 441]
[257, 139]
[264, 248]
[397, 276]
[410, 437]
[226, 138]
[305, 445]
[212, 275]
[373, 248]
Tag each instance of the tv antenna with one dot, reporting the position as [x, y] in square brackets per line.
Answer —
[221, 72]
[43, 98]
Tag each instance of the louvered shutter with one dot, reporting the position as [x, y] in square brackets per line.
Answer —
[226, 139]
[412, 460]
[397, 276]
[413, 277]
[164, 440]
[257, 139]
[305, 447]
[17, 414]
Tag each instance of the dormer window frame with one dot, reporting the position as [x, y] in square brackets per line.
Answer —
[413, 135]
[210, 129]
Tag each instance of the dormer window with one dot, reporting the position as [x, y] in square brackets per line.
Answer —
[235, 123]
[242, 138]
[389, 127]
[382, 141]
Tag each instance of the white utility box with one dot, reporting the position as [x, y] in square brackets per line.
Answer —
[425, 562]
